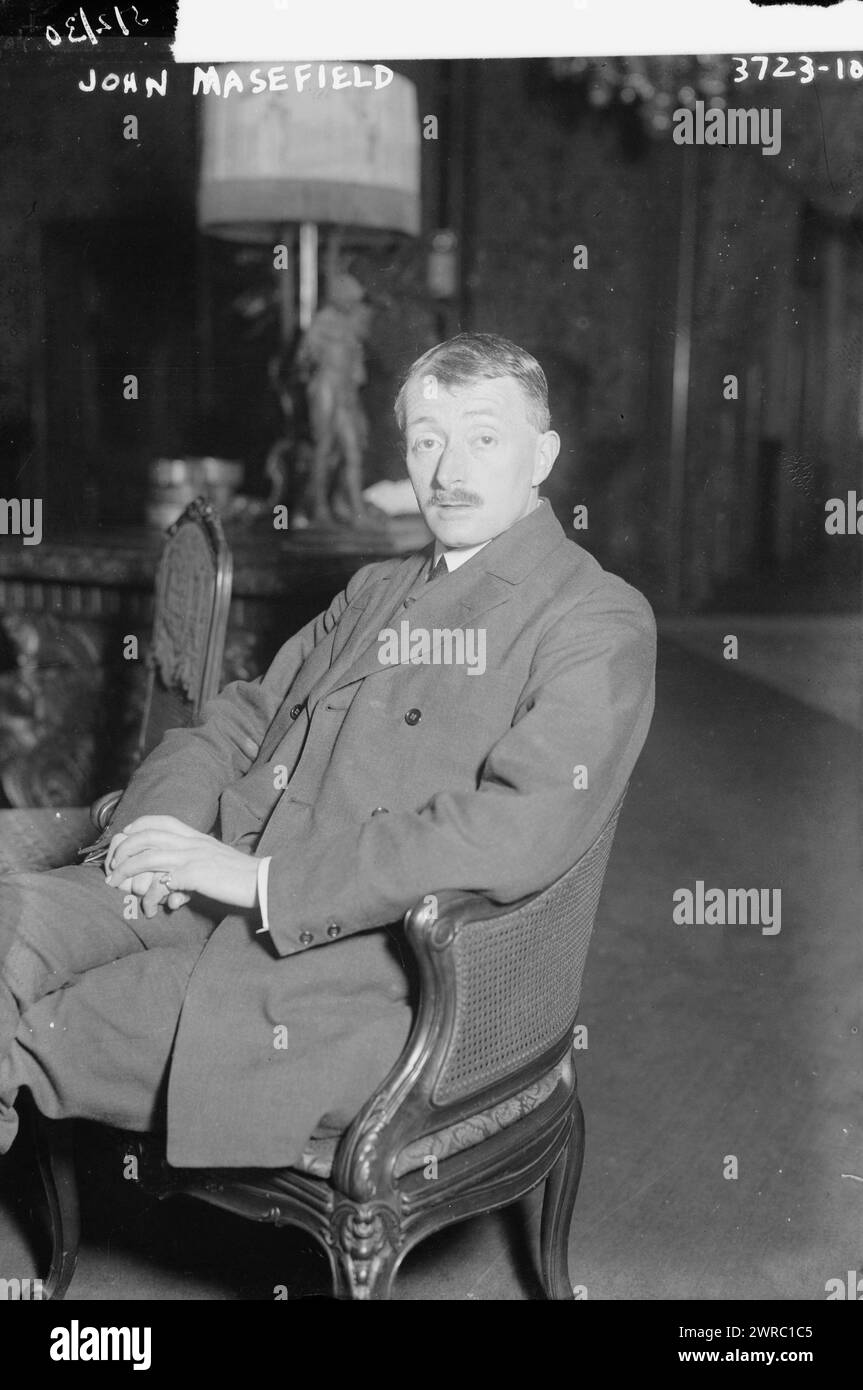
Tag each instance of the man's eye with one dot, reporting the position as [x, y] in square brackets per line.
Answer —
[425, 445]
[487, 439]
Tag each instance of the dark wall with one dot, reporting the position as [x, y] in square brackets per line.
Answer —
[548, 176]
[97, 275]
[732, 512]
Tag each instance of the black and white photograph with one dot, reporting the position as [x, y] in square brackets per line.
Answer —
[430, 673]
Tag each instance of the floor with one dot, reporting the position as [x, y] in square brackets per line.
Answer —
[815, 658]
[705, 1043]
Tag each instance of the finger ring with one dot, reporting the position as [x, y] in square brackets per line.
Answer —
[166, 879]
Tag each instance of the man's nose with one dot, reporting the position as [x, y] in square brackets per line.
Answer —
[451, 465]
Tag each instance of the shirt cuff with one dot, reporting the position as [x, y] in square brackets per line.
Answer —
[263, 876]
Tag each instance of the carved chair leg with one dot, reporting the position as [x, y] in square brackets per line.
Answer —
[365, 1252]
[558, 1202]
[55, 1153]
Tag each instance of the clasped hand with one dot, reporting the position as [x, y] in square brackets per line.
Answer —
[154, 847]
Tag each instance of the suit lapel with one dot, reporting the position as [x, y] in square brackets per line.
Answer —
[380, 600]
[384, 607]
[454, 601]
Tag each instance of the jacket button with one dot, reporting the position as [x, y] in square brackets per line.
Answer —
[413, 716]
[306, 938]
[334, 930]
[296, 711]
[381, 811]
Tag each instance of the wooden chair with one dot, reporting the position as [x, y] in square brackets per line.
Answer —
[184, 660]
[480, 1108]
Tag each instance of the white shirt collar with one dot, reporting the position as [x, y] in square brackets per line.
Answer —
[455, 557]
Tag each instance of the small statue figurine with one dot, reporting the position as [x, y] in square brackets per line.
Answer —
[331, 361]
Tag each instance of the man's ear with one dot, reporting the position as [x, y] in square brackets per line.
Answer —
[547, 450]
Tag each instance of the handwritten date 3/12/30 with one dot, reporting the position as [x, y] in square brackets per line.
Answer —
[104, 24]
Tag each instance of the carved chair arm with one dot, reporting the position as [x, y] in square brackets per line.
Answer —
[100, 813]
[499, 993]
[404, 1108]
[103, 808]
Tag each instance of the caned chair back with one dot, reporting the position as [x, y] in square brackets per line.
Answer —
[519, 977]
[190, 619]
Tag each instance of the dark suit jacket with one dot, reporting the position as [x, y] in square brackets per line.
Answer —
[476, 775]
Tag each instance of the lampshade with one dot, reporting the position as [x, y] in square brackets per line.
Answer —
[347, 155]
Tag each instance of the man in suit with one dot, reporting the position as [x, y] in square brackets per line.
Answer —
[261, 989]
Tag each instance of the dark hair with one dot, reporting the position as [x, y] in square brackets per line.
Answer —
[475, 356]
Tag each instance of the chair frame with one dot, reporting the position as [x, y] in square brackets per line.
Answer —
[365, 1217]
[202, 513]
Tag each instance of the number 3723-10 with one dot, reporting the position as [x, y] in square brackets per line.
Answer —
[757, 66]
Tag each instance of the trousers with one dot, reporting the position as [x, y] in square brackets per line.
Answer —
[90, 1000]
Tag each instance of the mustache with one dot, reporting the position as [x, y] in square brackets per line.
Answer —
[460, 497]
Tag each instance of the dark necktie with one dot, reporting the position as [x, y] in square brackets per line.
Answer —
[425, 576]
